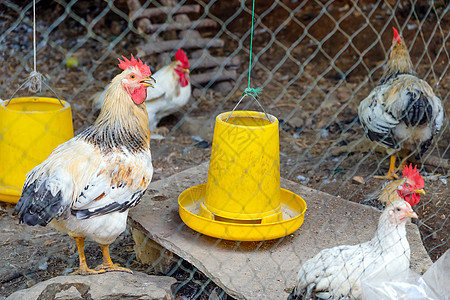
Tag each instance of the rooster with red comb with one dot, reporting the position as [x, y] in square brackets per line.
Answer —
[402, 113]
[87, 184]
[408, 188]
[170, 93]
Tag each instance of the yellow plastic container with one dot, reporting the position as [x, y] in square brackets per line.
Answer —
[30, 128]
[292, 206]
[242, 199]
[244, 170]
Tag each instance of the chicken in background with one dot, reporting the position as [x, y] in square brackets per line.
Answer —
[402, 113]
[87, 184]
[409, 188]
[336, 273]
[171, 91]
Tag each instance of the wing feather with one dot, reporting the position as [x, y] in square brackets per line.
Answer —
[117, 185]
[404, 98]
[376, 120]
[79, 179]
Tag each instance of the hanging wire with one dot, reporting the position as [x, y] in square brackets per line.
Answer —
[35, 79]
[249, 91]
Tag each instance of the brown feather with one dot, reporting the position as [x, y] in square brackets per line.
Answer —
[399, 60]
[121, 122]
[389, 193]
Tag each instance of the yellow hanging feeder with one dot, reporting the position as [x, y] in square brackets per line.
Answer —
[30, 128]
[242, 199]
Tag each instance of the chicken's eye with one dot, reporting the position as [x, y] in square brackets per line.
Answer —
[398, 209]
[407, 185]
[132, 76]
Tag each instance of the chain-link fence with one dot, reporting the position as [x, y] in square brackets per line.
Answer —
[315, 62]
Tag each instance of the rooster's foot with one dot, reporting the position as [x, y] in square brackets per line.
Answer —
[387, 176]
[112, 268]
[87, 271]
[159, 133]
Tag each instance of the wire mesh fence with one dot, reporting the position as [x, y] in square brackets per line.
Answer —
[315, 61]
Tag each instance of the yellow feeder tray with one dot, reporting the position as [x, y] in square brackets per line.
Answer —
[30, 128]
[242, 199]
[293, 208]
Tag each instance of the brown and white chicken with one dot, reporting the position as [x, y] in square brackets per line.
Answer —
[171, 90]
[409, 187]
[402, 113]
[336, 273]
[87, 184]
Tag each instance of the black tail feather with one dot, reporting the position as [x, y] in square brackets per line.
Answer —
[419, 111]
[296, 295]
[38, 207]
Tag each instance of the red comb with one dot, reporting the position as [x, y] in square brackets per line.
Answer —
[134, 63]
[396, 36]
[182, 58]
[413, 174]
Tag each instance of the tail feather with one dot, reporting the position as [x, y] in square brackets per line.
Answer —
[293, 295]
[296, 294]
[419, 110]
[38, 207]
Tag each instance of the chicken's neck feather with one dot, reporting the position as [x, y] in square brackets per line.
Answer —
[121, 123]
[391, 237]
[389, 194]
[399, 61]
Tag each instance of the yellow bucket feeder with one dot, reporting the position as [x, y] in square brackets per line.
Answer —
[242, 199]
[30, 128]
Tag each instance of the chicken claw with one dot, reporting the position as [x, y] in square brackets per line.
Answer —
[83, 269]
[108, 265]
[112, 268]
[159, 133]
[87, 271]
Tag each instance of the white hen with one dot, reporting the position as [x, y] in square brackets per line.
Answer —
[336, 273]
[171, 91]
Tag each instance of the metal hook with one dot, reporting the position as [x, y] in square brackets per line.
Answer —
[28, 80]
[239, 102]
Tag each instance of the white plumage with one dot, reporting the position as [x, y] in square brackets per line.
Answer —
[87, 184]
[336, 273]
[79, 168]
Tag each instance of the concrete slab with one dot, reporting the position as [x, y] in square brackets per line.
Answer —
[259, 270]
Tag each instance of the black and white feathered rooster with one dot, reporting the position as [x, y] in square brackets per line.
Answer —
[402, 113]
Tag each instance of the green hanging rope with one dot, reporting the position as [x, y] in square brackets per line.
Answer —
[250, 91]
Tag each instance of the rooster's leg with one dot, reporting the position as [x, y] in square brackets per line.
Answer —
[159, 133]
[83, 269]
[108, 265]
[405, 157]
[391, 173]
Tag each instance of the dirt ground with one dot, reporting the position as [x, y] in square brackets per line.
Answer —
[315, 101]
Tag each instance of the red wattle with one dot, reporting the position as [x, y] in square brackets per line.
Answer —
[412, 199]
[183, 80]
[139, 95]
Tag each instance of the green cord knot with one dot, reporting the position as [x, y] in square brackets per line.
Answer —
[252, 92]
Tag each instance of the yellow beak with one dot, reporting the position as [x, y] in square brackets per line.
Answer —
[421, 191]
[413, 215]
[147, 82]
[186, 70]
